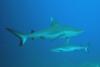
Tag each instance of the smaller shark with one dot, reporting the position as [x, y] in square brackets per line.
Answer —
[54, 31]
[69, 48]
[93, 64]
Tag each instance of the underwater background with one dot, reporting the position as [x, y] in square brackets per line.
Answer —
[28, 15]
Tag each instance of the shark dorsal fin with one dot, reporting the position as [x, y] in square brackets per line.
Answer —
[54, 23]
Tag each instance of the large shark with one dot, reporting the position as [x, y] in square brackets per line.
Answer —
[69, 48]
[55, 30]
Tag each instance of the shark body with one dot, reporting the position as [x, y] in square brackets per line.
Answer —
[69, 48]
[54, 31]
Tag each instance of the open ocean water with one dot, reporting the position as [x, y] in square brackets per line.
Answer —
[34, 15]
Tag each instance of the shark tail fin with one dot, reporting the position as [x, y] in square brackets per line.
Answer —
[23, 38]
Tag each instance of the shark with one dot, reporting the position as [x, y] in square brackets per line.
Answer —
[69, 48]
[55, 30]
[91, 64]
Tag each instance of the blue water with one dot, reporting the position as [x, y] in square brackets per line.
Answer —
[28, 15]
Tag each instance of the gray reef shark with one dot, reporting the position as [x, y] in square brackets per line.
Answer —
[90, 64]
[55, 30]
[69, 48]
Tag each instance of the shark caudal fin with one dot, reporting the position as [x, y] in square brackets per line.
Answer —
[23, 38]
